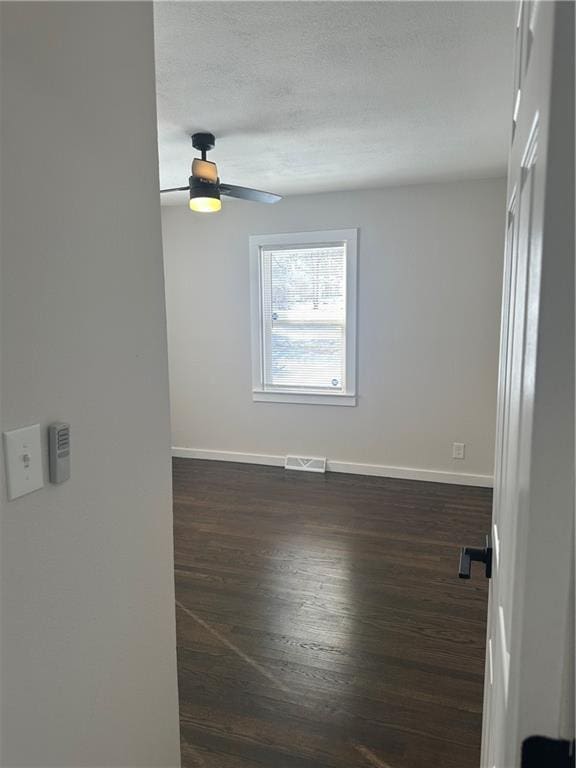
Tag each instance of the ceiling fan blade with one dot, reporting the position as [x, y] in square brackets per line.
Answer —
[244, 193]
[176, 189]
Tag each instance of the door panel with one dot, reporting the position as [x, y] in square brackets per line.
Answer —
[534, 457]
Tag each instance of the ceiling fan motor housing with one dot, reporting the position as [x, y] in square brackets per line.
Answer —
[202, 188]
[204, 169]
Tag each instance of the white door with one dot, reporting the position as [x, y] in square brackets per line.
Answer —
[527, 688]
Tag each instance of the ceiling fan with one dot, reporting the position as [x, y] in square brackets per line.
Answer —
[205, 187]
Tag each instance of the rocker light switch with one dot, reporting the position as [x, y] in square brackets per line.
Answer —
[23, 458]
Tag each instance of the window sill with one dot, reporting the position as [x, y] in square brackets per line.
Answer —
[304, 398]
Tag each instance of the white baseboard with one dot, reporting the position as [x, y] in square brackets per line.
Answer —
[243, 458]
[352, 468]
[411, 473]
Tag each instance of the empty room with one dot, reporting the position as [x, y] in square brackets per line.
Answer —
[287, 384]
[333, 361]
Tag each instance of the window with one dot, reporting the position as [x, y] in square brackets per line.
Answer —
[304, 317]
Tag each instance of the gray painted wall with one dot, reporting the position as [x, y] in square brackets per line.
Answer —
[429, 267]
[88, 642]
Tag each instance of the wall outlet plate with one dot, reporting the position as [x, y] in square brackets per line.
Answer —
[23, 458]
[458, 450]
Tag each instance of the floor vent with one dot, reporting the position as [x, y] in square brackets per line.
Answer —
[305, 464]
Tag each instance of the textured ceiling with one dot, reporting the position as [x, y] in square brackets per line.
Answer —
[315, 96]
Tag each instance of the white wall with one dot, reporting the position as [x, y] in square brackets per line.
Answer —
[88, 640]
[430, 260]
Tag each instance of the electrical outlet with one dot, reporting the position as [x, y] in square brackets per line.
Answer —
[458, 450]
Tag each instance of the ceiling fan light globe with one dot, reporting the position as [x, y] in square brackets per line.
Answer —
[205, 204]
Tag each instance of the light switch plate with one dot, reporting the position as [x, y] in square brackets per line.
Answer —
[23, 458]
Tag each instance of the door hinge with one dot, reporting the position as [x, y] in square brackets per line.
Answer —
[541, 752]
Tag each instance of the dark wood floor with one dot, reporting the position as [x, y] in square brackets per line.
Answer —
[321, 623]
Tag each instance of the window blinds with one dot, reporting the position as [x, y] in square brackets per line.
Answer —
[303, 303]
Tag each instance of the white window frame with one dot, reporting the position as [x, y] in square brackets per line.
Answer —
[348, 237]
